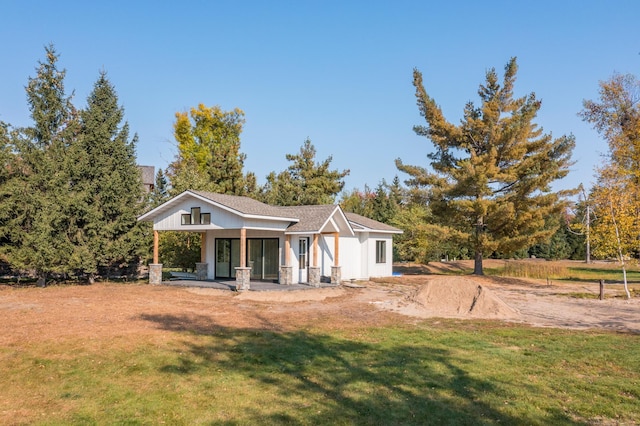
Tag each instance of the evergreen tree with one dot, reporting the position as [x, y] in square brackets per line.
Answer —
[305, 182]
[558, 245]
[492, 173]
[396, 192]
[378, 205]
[358, 201]
[384, 206]
[107, 188]
[160, 192]
[7, 164]
[38, 230]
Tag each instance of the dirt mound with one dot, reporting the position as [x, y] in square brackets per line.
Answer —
[461, 297]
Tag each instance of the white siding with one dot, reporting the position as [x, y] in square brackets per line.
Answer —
[380, 269]
[220, 219]
[325, 257]
[350, 259]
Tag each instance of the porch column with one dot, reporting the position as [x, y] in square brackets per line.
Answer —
[315, 250]
[243, 274]
[156, 243]
[243, 248]
[155, 268]
[286, 270]
[287, 250]
[202, 266]
[314, 269]
[336, 275]
[203, 247]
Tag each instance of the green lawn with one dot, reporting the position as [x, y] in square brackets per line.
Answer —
[435, 372]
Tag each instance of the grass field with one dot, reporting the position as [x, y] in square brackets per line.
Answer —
[185, 369]
[439, 372]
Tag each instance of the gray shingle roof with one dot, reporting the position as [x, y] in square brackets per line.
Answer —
[147, 173]
[244, 205]
[364, 222]
[303, 218]
[311, 217]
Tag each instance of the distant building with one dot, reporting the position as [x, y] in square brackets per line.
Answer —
[148, 174]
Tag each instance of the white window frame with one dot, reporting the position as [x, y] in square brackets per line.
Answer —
[381, 251]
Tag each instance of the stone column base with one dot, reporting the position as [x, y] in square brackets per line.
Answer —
[336, 274]
[155, 273]
[286, 275]
[314, 276]
[201, 271]
[243, 278]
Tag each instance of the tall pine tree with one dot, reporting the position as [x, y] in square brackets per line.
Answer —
[492, 173]
[38, 230]
[107, 189]
[305, 182]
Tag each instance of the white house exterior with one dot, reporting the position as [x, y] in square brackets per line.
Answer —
[244, 239]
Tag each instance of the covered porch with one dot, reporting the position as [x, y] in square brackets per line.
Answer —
[246, 241]
[189, 280]
[245, 259]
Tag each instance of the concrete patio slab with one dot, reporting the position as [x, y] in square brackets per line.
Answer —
[254, 285]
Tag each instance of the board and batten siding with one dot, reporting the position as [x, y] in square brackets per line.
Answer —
[380, 269]
[220, 219]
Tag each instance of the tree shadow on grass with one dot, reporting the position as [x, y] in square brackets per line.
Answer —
[391, 381]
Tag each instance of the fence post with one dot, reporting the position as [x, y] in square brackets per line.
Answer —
[601, 289]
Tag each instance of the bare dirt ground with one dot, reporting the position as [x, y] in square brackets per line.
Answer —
[105, 311]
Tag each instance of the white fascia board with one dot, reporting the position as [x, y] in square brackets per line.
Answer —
[162, 207]
[243, 215]
[302, 232]
[167, 204]
[255, 216]
[330, 219]
[377, 231]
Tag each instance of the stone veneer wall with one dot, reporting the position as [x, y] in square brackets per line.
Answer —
[155, 273]
[201, 271]
[336, 275]
[286, 275]
[314, 276]
[243, 278]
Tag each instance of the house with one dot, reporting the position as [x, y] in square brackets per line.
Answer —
[244, 239]
[147, 175]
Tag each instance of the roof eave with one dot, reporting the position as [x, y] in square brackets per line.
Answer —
[148, 217]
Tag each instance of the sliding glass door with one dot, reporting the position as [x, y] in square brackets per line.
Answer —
[262, 257]
[227, 257]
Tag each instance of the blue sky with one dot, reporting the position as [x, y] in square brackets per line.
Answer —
[337, 72]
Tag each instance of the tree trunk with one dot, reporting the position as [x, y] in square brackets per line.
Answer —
[626, 286]
[477, 265]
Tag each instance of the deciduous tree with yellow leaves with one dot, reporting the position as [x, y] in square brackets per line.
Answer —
[209, 156]
[616, 195]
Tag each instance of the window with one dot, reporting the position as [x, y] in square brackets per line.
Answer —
[302, 250]
[196, 217]
[381, 252]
